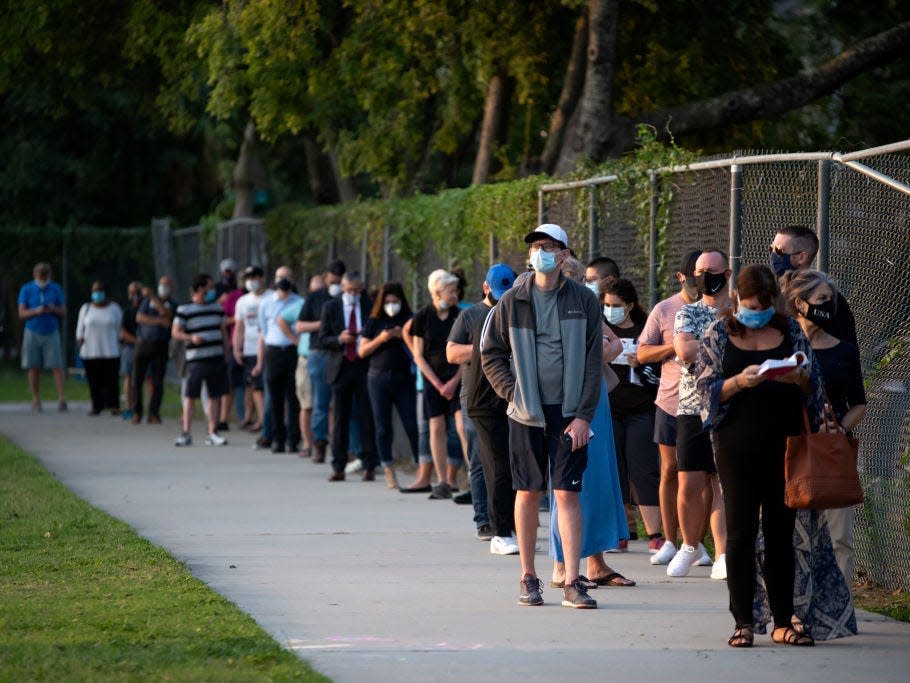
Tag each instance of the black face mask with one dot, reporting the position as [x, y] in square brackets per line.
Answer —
[230, 281]
[284, 284]
[821, 314]
[710, 283]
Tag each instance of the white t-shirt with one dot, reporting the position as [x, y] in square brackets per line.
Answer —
[99, 328]
[247, 311]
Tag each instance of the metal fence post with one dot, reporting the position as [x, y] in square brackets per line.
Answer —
[541, 208]
[652, 240]
[386, 255]
[822, 221]
[364, 248]
[593, 247]
[736, 218]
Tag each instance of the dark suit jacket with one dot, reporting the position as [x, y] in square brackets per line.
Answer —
[331, 325]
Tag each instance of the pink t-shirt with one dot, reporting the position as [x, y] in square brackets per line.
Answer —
[230, 305]
[658, 331]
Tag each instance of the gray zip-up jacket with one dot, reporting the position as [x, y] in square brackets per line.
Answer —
[509, 351]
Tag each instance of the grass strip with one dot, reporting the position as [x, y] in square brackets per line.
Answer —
[83, 598]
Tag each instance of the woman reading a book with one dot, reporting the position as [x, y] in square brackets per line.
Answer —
[812, 298]
[750, 417]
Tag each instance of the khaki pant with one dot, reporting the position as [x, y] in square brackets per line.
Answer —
[840, 526]
[302, 385]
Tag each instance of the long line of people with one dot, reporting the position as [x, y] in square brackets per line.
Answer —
[675, 424]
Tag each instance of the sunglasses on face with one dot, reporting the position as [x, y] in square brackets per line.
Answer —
[780, 252]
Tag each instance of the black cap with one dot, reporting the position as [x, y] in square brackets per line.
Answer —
[253, 271]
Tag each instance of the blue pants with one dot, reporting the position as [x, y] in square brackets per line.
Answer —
[478, 483]
[322, 394]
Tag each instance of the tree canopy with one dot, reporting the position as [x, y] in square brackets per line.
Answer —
[117, 110]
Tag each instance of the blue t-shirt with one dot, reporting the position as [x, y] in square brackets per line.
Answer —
[269, 309]
[33, 296]
[290, 316]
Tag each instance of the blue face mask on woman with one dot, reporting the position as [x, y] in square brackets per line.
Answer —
[97, 297]
[543, 261]
[209, 296]
[754, 320]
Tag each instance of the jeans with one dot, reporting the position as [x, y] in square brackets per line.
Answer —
[388, 388]
[478, 483]
[322, 394]
[149, 354]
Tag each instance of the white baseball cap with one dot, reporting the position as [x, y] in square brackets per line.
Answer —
[548, 231]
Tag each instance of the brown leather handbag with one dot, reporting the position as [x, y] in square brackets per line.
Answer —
[820, 468]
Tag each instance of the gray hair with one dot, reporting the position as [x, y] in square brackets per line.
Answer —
[573, 269]
[799, 284]
[439, 279]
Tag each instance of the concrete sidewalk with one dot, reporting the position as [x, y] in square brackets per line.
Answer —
[366, 583]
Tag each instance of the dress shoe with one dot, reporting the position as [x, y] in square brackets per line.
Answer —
[337, 476]
[368, 475]
[319, 451]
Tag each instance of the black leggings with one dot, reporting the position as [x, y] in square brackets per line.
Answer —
[103, 382]
[752, 476]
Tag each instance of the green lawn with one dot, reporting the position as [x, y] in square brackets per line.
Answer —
[83, 598]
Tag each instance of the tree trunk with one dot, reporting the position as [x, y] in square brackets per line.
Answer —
[489, 130]
[595, 123]
[568, 99]
[245, 174]
[346, 190]
[749, 104]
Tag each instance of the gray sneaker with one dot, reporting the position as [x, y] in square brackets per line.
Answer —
[576, 595]
[531, 591]
[441, 491]
[184, 440]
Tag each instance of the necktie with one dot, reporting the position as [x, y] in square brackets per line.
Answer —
[350, 351]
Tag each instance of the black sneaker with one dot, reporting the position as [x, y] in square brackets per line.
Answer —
[277, 447]
[530, 591]
[441, 491]
[484, 532]
[463, 498]
[262, 444]
[576, 595]
[222, 427]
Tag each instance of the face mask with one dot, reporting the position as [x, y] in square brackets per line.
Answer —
[135, 299]
[209, 296]
[543, 261]
[230, 281]
[41, 283]
[781, 263]
[284, 284]
[710, 283]
[163, 291]
[754, 320]
[442, 305]
[252, 285]
[821, 314]
[594, 287]
[392, 309]
[615, 314]
[334, 290]
[97, 297]
[690, 287]
[349, 299]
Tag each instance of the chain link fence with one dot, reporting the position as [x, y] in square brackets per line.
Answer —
[860, 207]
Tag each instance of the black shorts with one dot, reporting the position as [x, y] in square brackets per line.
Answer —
[435, 404]
[235, 372]
[212, 371]
[249, 362]
[535, 451]
[693, 446]
[664, 428]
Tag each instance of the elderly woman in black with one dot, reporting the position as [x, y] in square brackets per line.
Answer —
[750, 418]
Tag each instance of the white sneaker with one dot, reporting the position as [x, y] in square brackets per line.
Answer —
[666, 553]
[705, 559]
[214, 439]
[184, 440]
[683, 560]
[719, 570]
[354, 466]
[503, 545]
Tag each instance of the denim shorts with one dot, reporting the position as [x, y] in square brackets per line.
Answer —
[41, 351]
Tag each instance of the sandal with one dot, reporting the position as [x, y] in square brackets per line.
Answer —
[614, 579]
[743, 636]
[799, 625]
[792, 637]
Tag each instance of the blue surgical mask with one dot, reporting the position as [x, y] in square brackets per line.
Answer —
[594, 287]
[543, 261]
[97, 297]
[615, 314]
[209, 296]
[754, 320]
[781, 263]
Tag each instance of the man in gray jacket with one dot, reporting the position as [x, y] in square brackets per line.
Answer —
[541, 352]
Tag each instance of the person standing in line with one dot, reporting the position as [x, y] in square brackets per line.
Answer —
[656, 346]
[128, 343]
[98, 339]
[200, 325]
[599, 271]
[42, 308]
[427, 333]
[153, 333]
[339, 331]
[699, 487]
[794, 247]
[811, 298]
[278, 357]
[542, 352]
[310, 317]
[479, 401]
[390, 378]
[246, 344]
[632, 407]
[227, 293]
